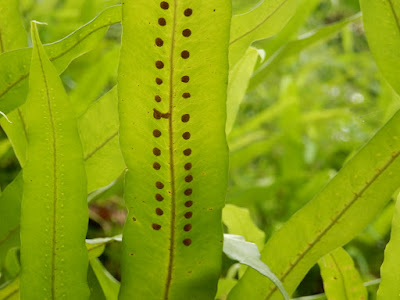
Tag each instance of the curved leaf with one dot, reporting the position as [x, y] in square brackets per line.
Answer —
[236, 247]
[172, 89]
[239, 78]
[382, 27]
[16, 64]
[365, 184]
[102, 154]
[10, 208]
[295, 46]
[390, 271]
[341, 279]
[262, 22]
[54, 213]
[12, 33]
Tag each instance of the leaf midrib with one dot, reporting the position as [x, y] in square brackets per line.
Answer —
[258, 25]
[396, 18]
[341, 275]
[55, 199]
[171, 157]
[311, 245]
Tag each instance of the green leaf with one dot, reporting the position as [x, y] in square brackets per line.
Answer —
[366, 183]
[10, 208]
[102, 154]
[95, 248]
[294, 47]
[54, 213]
[12, 33]
[382, 27]
[175, 149]
[10, 290]
[239, 222]
[244, 6]
[11, 264]
[262, 22]
[13, 36]
[341, 279]
[239, 78]
[13, 83]
[390, 269]
[108, 283]
[93, 82]
[236, 247]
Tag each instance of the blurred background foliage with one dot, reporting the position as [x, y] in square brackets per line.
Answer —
[304, 114]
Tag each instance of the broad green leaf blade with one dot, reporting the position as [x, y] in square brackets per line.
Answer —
[262, 22]
[236, 247]
[390, 270]
[172, 89]
[239, 222]
[13, 83]
[98, 129]
[109, 284]
[382, 27]
[10, 208]
[341, 279]
[365, 184]
[10, 291]
[239, 78]
[294, 47]
[94, 80]
[12, 33]
[54, 213]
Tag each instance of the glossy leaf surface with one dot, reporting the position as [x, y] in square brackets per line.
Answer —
[54, 213]
[172, 89]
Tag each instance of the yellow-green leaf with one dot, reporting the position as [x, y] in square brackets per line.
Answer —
[54, 213]
[172, 88]
[341, 279]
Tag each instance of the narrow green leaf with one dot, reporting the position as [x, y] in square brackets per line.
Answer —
[239, 222]
[13, 36]
[16, 64]
[54, 213]
[262, 22]
[390, 270]
[172, 89]
[236, 247]
[10, 291]
[382, 27]
[341, 279]
[95, 248]
[366, 183]
[108, 283]
[102, 154]
[239, 78]
[294, 47]
[10, 208]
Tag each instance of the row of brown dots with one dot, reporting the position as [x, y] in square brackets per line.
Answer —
[185, 54]
[158, 115]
